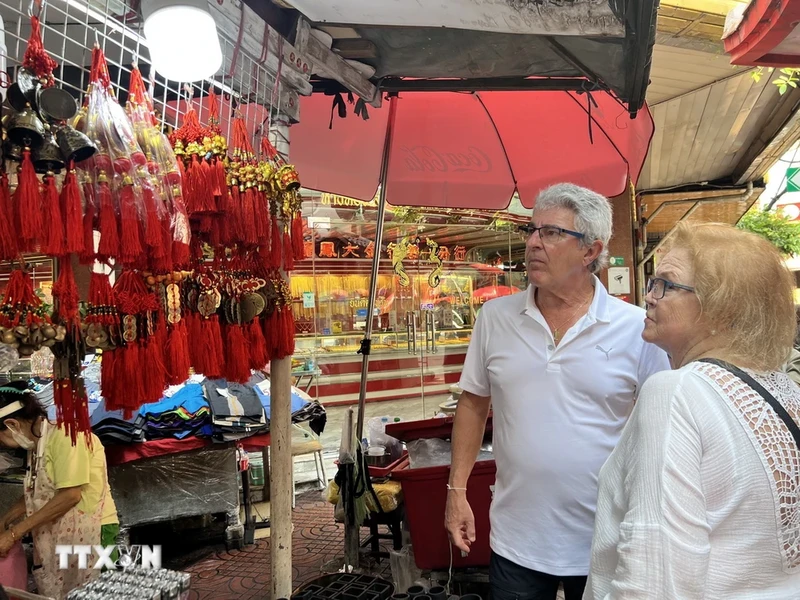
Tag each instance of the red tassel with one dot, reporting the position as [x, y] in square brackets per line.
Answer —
[275, 244]
[65, 292]
[81, 406]
[258, 345]
[221, 187]
[109, 227]
[285, 342]
[108, 375]
[28, 203]
[129, 378]
[236, 216]
[153, 235]
[54, 243]
[197, 345]
[164, 264]
[181, 254]
[298, 248]
[209, 177]
[262, 216]
[249, 217]
[155, 375]
[237, 355]
[73, 214]
[288, 253]
[8, 237]
[131, 249]
[64, 399]
[215, 353]
[176, 354]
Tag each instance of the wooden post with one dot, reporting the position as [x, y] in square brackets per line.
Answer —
[281, 481]
[280, 475]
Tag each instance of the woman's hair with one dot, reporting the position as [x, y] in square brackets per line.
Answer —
[593, 215]
[745, 290]
[18, 391]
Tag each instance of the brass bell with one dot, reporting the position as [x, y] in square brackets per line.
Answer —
[47, 157]
[24, 91]
[26, 129]
[74, 145]
[12, 151]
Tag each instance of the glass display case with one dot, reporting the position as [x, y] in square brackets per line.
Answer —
[436, 271]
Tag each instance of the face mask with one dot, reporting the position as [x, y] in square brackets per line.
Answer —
[22, 441]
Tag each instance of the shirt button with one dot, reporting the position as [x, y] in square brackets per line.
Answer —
[551, 347]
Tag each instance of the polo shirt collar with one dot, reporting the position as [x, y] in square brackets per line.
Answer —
[598, 310]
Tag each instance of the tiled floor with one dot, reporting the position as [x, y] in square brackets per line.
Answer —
[245, 574]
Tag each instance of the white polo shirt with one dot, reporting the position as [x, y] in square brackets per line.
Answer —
[558, 413]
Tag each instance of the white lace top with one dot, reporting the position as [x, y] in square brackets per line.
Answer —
[701, 497]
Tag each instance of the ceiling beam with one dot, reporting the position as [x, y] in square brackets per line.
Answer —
[355, 49]
[281, 20]
[329, 64]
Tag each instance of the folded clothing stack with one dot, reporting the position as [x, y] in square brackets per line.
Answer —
[180, 415]
[236, 411]
[110, 426]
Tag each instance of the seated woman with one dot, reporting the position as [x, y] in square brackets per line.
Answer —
[701, 498]
[66, 498]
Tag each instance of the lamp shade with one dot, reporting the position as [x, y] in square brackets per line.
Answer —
[175, 55]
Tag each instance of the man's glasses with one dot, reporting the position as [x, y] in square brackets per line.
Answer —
[659, 286]
[549, 234]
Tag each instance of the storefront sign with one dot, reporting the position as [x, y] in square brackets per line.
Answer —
[359, 303]
[616, 261]
[308, 300]
[334, 200]
[361, 313]
[426, 306]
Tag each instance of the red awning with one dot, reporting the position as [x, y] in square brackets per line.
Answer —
[472, 150]
[766, 34]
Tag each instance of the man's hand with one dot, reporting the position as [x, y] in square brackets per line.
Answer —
[7, 542]
[459, 520]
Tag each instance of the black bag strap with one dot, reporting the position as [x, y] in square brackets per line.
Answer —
[757, 387]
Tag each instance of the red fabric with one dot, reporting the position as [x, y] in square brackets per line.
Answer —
[117, 455]
[460, 150]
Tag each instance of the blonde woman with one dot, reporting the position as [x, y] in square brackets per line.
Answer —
[701, 497]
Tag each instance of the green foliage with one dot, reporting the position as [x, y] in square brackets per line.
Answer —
[775, 227]
[789, 77]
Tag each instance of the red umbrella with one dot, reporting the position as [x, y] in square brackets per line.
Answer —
[472, 150]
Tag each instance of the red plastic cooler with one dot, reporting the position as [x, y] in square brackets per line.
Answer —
[425, 497]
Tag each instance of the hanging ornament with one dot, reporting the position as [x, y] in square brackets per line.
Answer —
[69, 391]
[8, 236]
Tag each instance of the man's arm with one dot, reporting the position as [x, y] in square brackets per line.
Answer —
[468, 430]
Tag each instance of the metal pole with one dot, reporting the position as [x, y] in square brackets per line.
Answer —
[366, 343]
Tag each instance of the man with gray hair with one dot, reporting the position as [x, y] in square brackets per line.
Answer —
[560, 365]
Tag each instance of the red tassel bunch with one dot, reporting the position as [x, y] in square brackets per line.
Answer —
[21, 305]
[118, 179]
[137, 365]
[167, 235]
[279, 326]
[71, 401]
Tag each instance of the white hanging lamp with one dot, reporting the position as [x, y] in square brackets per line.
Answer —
[165, 25]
